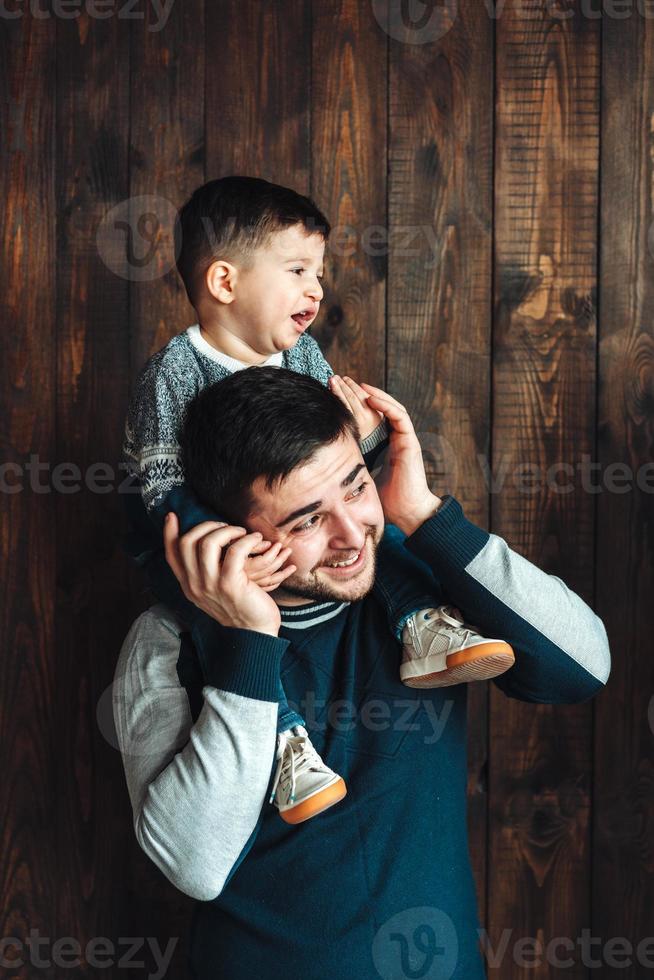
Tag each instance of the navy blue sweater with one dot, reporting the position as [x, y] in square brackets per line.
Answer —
[381, 883]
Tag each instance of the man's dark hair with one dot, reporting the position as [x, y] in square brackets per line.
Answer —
[231, 217]
[258, 422]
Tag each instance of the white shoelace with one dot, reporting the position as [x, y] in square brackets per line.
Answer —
[288, 768]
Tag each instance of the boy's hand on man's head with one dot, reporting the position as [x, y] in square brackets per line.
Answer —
[209, 562]
[356, 399]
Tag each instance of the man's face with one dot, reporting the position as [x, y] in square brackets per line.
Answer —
[283, 280]
[327, 511]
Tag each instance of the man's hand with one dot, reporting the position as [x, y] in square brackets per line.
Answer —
[356, 399]
[402, 484]
[209, 562]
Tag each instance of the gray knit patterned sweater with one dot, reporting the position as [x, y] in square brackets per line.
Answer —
[170, 381]
[167, 384]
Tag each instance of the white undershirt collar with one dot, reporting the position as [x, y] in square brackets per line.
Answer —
[200, 344]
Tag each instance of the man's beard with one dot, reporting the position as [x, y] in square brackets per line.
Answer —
[313, 588]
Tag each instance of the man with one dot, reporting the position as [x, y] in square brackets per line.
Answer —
[380, 884]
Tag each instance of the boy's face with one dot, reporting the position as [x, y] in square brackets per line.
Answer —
[327, 511]
[283, 281]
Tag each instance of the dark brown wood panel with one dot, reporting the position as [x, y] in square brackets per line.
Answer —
[348, 181]
[457, 155]
[623, 798]
[440, 194]
[547, 135]
[258, 85]
[93, 599]
[166, 164]
[29, 730]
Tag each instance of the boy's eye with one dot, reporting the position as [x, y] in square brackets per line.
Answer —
[304, 270]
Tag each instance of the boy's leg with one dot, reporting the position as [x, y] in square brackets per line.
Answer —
[403, 583]
[146, 547]
[438, 650]
[303, 785]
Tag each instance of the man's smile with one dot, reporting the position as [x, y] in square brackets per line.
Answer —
[350, 566]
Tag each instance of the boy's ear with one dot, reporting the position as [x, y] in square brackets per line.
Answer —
[220, 280]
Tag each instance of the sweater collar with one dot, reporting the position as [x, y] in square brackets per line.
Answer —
[303, 617]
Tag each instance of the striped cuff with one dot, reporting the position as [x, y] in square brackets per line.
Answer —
[375, 438]
[241, 661]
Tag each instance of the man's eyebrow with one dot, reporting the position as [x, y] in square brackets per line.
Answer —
[317, 503]
[353, 475]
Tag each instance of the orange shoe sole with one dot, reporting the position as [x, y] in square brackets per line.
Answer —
[480, 663]
[315, 804]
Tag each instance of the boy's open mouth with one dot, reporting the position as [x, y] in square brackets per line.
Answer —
[303, 318]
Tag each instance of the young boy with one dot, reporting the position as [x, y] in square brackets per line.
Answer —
[249, 254]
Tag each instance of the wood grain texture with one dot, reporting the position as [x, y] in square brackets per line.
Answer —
[547, 133]
[465, 172]
[623, 852]
[257, 108]
[92, 611]
[348, 180]
[440, 209]
[166, 164]
[28, 724]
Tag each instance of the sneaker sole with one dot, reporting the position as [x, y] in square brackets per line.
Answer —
[480, 663]
[316, 804]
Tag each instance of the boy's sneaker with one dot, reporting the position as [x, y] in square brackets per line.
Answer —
[303, 785]
[439, 650]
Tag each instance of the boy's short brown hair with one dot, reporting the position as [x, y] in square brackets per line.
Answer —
[233, 216]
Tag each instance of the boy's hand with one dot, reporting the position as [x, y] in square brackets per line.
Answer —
[209, 563]
[356, 399]
[264, 565]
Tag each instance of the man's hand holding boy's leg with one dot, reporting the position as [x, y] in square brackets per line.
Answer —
[209, 562]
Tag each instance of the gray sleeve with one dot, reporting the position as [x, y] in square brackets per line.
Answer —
[561, 645]
[196, 789]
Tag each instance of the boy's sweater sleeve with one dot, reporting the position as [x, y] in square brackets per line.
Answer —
[561, 647]
[374, 445]
[196, 790]
[155, 416]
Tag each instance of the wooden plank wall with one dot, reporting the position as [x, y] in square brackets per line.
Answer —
[544, 376]
[489, 169]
